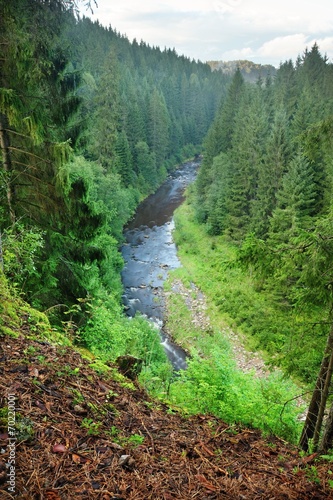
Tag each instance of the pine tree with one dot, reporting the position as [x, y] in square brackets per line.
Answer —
[219, 136]
[123, 159]
[146, 166]
[218, 194]
[158, 127]
[295, 201]
[229, 111]
[270, 173]
[106, 118]
[248, 139]
[39, 126]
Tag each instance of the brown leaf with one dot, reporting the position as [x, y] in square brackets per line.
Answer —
[205, 483]
[59, 448]
[233, 440]
[306, 460]
[52, 495]
[76, 459]
[79, 459]
[48, 405]
[103, 386]
[207, 450]
[41, 406]
[79, 410]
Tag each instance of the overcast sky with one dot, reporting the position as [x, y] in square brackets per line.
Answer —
[263, 31]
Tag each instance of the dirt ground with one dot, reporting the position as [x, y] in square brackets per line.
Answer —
[80, 435]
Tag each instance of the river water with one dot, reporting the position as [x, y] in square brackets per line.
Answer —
[150, 253]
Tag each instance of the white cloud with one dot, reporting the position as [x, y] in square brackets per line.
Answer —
[264, 31]
[283, 47]
[289, 47]
[244, 53]
[325, 46]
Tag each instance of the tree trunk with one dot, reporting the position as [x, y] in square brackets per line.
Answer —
[323, 402]
[1, 254]
[7, 164]
[327, 439]
[317, 400]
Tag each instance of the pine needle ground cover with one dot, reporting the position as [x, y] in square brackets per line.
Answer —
[82, 433]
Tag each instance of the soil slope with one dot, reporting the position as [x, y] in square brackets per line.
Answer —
[80, 434]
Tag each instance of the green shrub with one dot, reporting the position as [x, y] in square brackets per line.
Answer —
[214, 385]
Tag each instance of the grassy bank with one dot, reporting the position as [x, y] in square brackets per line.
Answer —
[293, 340]
[213, 383]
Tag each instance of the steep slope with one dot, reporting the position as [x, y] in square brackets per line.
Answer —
[82, 430]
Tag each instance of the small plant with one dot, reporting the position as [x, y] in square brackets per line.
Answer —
[328, 457]
[114, 431]
[69, 371]
[312, 474]
[93, 428]
[111, 395]
[3, 417]
[25, 429]
[330, 481]
[78, 397]
[29, 350]
[135, 440]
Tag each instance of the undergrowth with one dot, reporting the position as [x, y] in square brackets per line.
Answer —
[292, 339]
[212, 383]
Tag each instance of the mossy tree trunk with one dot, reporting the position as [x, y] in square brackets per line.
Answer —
[327, 439]
[314, 418]
[6, 164]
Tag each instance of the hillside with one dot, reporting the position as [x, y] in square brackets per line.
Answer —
[85, 431]
[249, 70]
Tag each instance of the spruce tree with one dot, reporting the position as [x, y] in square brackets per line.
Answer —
[270, 172]
[248, 139]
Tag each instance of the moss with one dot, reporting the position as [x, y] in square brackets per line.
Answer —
[85, 353]
[99, 367]
[5, 330]
[17, 317]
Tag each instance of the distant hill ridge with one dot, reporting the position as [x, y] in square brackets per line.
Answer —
[250, 70]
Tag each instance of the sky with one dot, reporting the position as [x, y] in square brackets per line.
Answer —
[262, 31]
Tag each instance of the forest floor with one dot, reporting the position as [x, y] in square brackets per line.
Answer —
[87, 434]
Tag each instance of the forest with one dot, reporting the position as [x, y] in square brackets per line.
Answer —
[266, 185]
[91, 123]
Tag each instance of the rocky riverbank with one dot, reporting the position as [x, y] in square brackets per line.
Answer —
[196, 303]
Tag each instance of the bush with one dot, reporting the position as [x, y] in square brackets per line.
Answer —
[214, 385]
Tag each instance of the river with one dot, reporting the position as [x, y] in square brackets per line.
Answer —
[150, 253]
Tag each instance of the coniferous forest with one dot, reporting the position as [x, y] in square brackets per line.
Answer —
[91, 124]
[266, 185]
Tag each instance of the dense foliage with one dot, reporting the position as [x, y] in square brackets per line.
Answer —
[89, 125]
[266, 186]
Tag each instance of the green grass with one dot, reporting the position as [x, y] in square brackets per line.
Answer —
[212, 382]
[291, 339]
